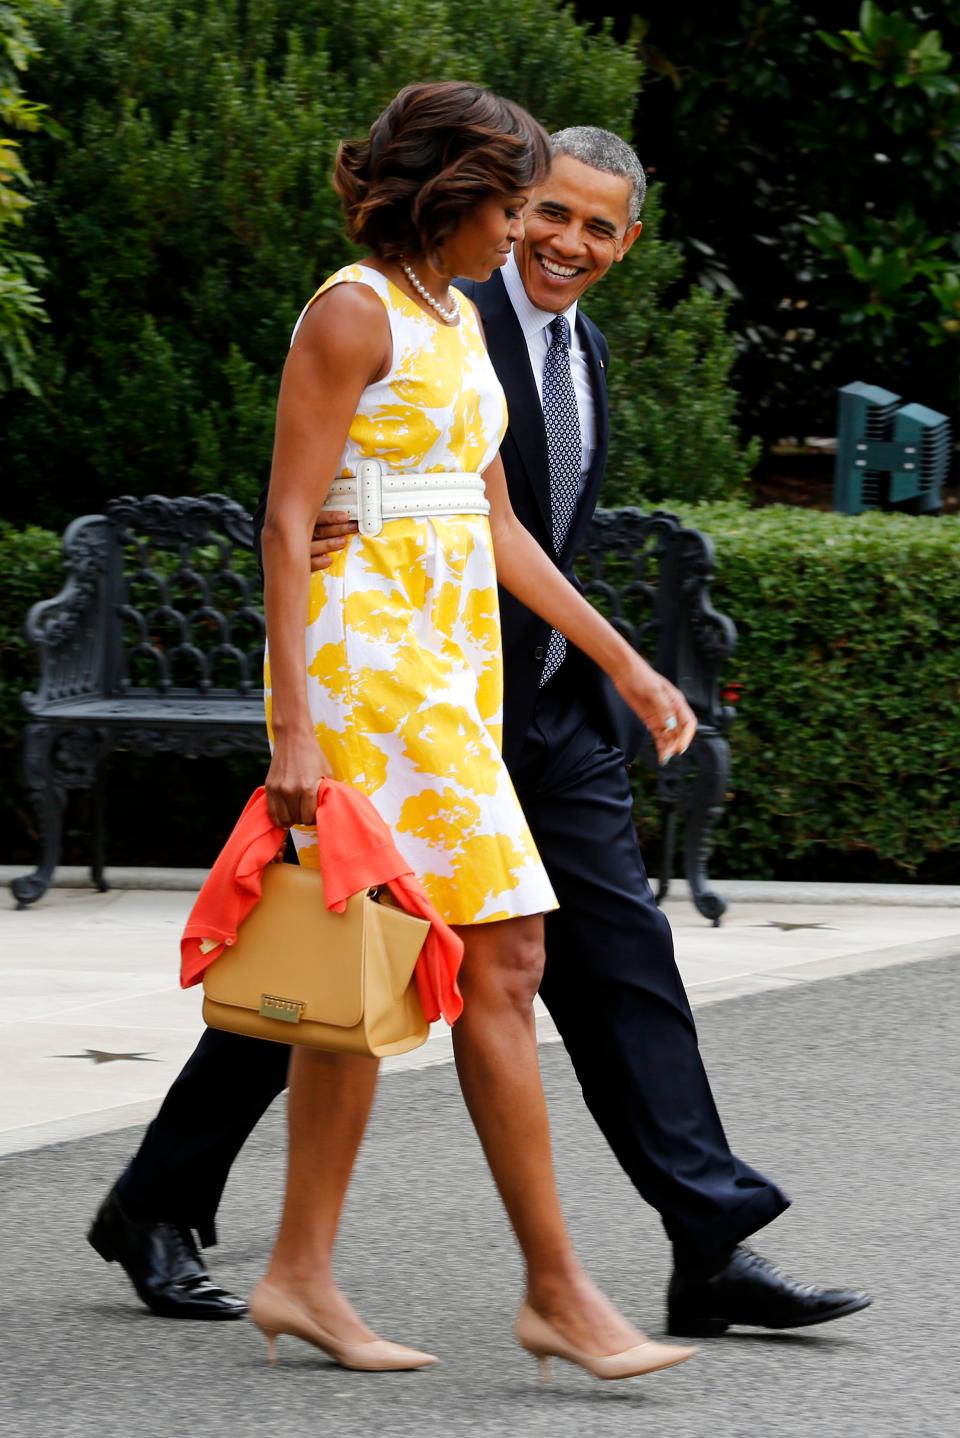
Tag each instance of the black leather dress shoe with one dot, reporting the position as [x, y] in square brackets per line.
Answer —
[163, 1264]
[754, 1293]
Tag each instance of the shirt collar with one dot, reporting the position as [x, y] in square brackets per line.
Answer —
[532, 320]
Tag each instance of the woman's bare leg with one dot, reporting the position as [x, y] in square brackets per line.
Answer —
[330, 1100]
[496, 1053]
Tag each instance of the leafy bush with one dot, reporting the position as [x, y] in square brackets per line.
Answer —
[30, 569]
[189, 213]
[672, 424]
[846, 760]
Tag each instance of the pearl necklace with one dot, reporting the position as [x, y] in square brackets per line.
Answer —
[449, 316]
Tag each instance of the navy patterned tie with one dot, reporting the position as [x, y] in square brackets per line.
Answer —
[565, 452]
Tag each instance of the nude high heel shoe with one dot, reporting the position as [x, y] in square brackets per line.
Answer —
[541, 1339]
[274, 1313]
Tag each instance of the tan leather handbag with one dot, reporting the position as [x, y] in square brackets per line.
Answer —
[300, 974]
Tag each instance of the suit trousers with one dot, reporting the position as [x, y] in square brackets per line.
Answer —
[611, 985]
[613, 989]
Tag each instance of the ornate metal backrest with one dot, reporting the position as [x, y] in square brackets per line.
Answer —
[163, 595]
[619, 567]
[183, 598]
[651, 577]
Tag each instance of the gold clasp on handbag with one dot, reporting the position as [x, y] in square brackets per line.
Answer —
[289, 1011]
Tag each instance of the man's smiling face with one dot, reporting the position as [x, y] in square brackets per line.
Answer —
[576, 227]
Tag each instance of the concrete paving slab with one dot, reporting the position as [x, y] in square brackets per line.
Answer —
[62, 990]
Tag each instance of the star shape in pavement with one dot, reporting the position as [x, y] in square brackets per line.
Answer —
[788, 928]
[103, 1056]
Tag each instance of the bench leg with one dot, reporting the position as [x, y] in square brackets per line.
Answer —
[668, 820]
[99, 833]
[710, 759]
[48, 796]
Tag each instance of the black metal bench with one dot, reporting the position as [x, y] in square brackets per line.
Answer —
[155, 644]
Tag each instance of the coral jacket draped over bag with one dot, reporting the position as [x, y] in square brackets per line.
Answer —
[322, 932]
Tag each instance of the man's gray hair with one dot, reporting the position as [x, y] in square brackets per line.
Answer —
[603, 150]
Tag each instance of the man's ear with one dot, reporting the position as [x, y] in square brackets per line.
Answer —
[631, 234]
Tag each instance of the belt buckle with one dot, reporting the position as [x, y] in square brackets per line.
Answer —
[370, 496]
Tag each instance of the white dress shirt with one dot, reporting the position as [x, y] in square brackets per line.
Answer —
[535, 325]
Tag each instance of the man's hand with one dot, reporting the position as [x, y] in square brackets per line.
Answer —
[661, 706]
[329, 536]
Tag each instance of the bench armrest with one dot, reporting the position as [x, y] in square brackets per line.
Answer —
[68, 630]
[652, 577]
[701, 639]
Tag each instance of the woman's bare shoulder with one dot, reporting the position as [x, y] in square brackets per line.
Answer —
[346, 320]
[346, 303]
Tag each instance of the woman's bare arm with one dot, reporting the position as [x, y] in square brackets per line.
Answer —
[529, 575]
[342, 345]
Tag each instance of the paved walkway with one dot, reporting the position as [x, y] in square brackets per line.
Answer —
[94, 1027]
[845, 1091]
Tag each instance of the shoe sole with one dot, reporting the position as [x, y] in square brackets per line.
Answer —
[701, 1328]
[100, 1245]
[714, 1327]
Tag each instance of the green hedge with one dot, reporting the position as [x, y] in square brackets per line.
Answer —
[30, 569]
[846, 745]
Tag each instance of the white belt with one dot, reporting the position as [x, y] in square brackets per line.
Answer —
[373, 495]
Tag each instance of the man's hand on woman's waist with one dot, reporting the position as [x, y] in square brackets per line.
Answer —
[329, 536]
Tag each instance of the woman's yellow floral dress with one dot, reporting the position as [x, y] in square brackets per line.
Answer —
[403, 633]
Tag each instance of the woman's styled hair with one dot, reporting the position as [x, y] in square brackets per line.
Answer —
[436, 152]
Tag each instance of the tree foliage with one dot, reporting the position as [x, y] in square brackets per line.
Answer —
[672, 409]
[810, 155]
[21, 308]
[189, 213]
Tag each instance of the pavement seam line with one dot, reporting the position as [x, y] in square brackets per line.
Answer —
[895, 956]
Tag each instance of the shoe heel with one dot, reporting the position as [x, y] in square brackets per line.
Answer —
[100, 1245]
[545, 1367]
[271, 1345]
[696, 1327]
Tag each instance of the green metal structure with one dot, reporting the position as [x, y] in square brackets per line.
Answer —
[890, 455]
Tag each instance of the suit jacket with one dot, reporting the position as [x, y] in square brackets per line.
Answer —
[524, 453]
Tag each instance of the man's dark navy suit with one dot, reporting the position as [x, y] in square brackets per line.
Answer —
[611, 983]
